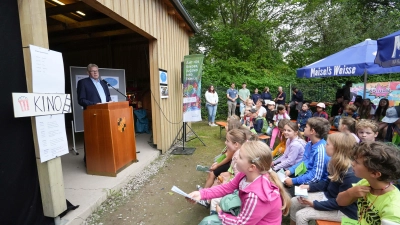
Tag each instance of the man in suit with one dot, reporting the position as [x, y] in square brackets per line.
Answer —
[91, 91]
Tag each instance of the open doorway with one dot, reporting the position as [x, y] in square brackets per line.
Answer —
[84, 35]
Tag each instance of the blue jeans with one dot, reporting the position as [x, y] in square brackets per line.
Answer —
[212, 111]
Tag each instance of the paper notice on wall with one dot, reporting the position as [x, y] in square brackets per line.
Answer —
[114, 98]
[51, 136]
[47, 70]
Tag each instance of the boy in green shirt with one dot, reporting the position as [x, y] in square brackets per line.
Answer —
[244, 94]
[378, 200]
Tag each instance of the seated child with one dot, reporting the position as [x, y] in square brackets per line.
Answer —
[270, 116]
[248, 106]
[348, 125]
[249, 118]
[321, 111]
[378, 200]
[263, 198]
[322, 195]
[304, 114]
[280, 137]
[281, 114]
[366, 110]
[294, 148]
[351, 111]
[315, 159]
[223, 161]
[392, 118]
[367, 130]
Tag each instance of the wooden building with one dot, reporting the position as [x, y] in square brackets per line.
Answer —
[140, 36]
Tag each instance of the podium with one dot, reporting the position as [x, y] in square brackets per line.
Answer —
[109, 138]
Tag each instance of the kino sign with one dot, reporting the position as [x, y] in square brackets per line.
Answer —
[32, 104]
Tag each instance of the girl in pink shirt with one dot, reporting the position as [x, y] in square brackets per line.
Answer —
[263, 196]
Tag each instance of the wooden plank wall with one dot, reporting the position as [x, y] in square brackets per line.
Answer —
[169, 43]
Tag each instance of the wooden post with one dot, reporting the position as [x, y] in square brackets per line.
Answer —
[32, 15]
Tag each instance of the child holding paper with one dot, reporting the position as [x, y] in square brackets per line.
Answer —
[263, 197]
[378, 200]
[313, 167]
[321, 202]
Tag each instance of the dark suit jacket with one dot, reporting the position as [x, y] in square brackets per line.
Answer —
[87, 93]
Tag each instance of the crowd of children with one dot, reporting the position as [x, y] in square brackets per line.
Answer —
[349, 174]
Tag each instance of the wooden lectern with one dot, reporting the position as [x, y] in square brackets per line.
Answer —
[109, 138]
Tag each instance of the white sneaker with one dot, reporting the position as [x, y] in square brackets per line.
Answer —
[214, 125]
[209, 123]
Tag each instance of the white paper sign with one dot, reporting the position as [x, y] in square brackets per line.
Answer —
[31, 104]
[47, 70]
[114, 98]
[51, 136]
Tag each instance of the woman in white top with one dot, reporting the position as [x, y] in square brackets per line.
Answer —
[211, 104]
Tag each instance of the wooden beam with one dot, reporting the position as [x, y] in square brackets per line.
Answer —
[171, 11]
[32, 16]
[64, 19]
[89, 23]
[63, 9]
[92, 35]
[182, 24]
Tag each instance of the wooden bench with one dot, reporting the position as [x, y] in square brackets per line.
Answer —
[325, 222]
[221, 125]
[264, 138]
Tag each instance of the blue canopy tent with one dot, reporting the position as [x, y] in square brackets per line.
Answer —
[356, 60]
[388, 54]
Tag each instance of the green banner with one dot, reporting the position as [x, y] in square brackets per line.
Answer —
[192, 69]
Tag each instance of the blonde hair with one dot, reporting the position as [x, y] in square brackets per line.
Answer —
[233, 123]
[89, 67]
[260, 155]
[340, 161]
[350, 123]
[240, 135]
[368, 124]
[351, 107]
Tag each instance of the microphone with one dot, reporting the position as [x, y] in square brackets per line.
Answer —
[106, 82]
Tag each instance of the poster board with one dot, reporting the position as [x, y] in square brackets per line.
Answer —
[377, 91]
[115, 77]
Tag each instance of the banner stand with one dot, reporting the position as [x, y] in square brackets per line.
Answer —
[184, 150]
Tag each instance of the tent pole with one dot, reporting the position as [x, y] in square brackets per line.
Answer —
[365, 83]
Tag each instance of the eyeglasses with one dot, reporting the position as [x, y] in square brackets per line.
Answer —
[93, 71]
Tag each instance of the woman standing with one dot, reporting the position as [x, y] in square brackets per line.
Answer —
[266, 96]
[211, 104]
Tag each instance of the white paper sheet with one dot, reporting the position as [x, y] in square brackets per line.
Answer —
[281, 175]
[300, 192]
[47, 70]
[51, 136]
[179, 191]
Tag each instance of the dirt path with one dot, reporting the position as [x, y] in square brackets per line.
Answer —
[154, 203]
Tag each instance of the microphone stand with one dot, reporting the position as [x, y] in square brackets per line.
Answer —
[114, 88]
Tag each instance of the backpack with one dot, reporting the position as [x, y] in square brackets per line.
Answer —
[265, 124]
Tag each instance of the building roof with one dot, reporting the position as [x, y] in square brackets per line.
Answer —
[181, 9]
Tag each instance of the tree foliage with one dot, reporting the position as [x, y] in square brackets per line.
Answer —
[263, 42]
